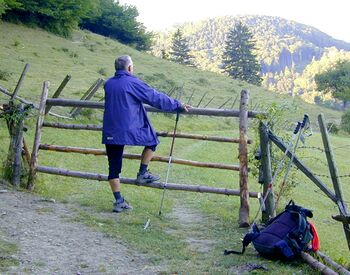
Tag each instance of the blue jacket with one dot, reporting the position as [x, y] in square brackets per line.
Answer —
[125, 120]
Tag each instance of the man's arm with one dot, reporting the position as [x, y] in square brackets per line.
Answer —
[150, 96]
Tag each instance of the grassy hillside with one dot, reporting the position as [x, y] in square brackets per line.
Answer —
[86, 57]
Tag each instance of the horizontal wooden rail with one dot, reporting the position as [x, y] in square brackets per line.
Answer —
[101, 152]
[6, 92]
[159, 185]
[192, 111]
[94, 127]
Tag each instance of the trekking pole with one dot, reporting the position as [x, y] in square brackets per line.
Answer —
[279, 167]
[305, 122]
[169, 162]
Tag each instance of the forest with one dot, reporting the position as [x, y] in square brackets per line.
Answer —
[290, 53]
[105, 17]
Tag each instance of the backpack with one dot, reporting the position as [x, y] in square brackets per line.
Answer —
[284, 237]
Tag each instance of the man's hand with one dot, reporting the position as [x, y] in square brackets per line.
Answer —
[185, 107]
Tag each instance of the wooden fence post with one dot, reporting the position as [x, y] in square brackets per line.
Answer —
[15, 127]
[268, 212]
[37, 138]
[20, 81]
[334, 175]
[58, 91]
[243, 160]
[87, 96]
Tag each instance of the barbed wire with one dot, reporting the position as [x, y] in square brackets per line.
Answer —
[329, 177]
[312, 147]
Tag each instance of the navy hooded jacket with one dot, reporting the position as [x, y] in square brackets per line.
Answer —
[125, 120]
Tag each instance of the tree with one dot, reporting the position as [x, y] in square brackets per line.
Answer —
[59, 17]
[336, 81]
[238, 59]
[119, 22]
[8, 5]
[180, 52]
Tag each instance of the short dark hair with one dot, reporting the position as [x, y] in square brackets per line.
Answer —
[123, 62]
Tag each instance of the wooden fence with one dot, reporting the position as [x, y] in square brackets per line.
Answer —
[243, 114]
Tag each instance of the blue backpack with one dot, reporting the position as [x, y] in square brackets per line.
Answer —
[284, 237]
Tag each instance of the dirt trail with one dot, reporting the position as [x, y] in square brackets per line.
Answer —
[190, 221]
[51, 244]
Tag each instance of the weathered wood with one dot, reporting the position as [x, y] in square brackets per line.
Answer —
[268, 195]
[280, 144]
[200, 101]
[20, 81]
[59, 91]
[243, 160]
[94, 127]
[341, 218]
[159, 185]
[317, 265]
[26, 152]
[13, 165]
[89, 94]
[18, 139]
[192, 111]
[101, 152]
[20, 99]
[222, 105]
[342, 270]
[201, 137]
[334, 175]
[37, 138]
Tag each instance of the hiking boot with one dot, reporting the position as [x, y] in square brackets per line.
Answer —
[121, 205]
[146, 177]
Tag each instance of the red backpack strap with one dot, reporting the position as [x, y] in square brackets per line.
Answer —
[315, 243]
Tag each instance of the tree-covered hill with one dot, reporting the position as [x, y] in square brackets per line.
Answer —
[285, 48]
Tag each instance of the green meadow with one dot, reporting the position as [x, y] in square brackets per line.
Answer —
[195, 228]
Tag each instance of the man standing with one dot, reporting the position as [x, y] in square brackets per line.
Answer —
[125, 122]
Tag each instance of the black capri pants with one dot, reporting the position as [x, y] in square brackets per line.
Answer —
[115, 159]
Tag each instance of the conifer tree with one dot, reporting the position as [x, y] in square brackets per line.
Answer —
[180, 52]
[238, 59]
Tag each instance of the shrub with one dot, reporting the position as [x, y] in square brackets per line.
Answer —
[16, 43]
[345, 121]
[102, 71]
[4, 75]
[332, 128]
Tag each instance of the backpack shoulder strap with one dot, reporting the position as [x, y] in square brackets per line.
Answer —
[248, 238]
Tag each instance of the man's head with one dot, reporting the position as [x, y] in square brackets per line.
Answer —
[124, 62]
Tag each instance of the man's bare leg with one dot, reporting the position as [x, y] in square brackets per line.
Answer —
[115, 185]
[146, 156]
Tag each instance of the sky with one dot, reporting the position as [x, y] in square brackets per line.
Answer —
[329, 16]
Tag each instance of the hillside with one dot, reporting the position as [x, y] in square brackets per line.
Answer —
[195, 228]
[284, 47]
[87, 57]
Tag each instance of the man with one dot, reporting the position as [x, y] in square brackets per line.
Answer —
[125, 122]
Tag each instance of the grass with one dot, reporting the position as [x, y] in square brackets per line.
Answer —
[7, 249]
[166, 242]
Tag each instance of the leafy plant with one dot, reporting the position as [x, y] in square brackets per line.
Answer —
[345, 121]
[102, 71]
[4, 75]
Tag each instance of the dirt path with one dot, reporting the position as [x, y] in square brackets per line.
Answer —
[51, 244]
[190, 223]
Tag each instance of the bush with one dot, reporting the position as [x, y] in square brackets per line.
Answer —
[4, 75]
[332, 128]
[345, 121]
